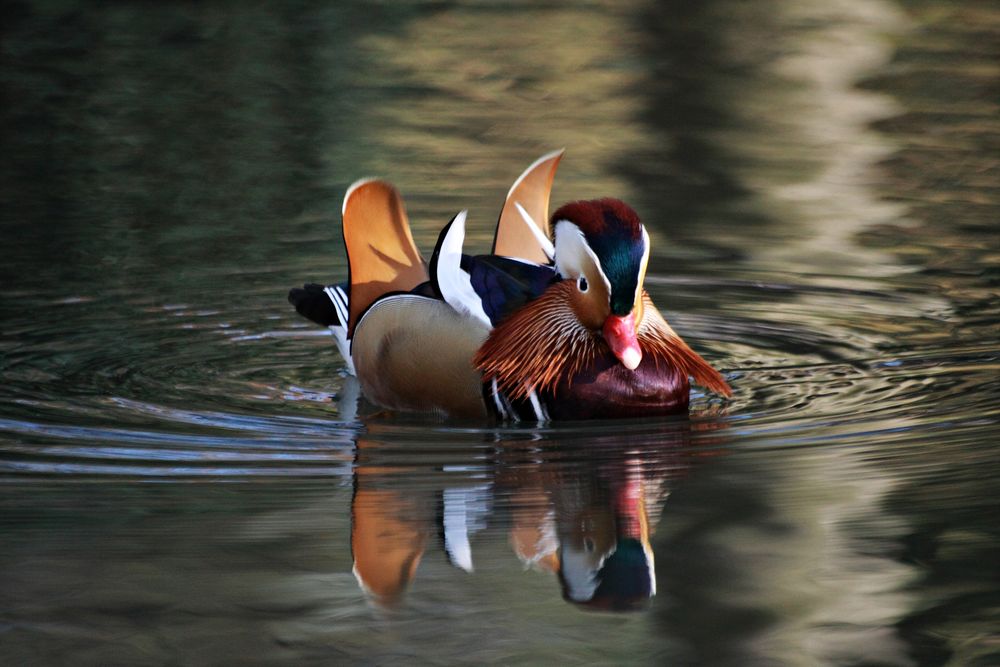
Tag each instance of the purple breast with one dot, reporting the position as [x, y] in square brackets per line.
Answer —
[608, 390]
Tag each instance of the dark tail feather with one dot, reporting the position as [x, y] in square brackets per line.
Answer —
[323, 305]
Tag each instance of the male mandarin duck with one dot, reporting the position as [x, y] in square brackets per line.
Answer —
[539, 329]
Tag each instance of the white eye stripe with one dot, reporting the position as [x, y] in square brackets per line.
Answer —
[573, 253]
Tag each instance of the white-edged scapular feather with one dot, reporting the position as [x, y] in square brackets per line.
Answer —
[546, 245]
[454, 283]
[339, 331]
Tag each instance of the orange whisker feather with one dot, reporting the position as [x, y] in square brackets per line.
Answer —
[543, 343]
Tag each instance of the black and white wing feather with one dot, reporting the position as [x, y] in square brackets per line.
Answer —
[326, 305]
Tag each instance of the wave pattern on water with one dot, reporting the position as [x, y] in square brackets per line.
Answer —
[811, 363]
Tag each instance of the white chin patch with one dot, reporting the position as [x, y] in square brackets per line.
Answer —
[631, 358]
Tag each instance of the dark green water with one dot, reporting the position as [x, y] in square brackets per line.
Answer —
[181, 467]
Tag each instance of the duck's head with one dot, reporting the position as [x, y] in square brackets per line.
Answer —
[603, 247]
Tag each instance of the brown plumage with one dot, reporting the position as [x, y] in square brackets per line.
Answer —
[531, 191]
[537, 345]
[543, 346]
[380, 249]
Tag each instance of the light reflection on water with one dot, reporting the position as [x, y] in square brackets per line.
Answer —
[185, 475]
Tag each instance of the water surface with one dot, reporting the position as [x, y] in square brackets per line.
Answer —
[186, 476]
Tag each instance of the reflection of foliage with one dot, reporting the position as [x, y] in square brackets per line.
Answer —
[946, 171]
[133, 121]
[487, 90]
[756, 128]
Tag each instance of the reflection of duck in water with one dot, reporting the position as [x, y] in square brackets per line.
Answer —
[608, 564]
[540, 329]
[593, 533]
[389, 533]
[589, 526]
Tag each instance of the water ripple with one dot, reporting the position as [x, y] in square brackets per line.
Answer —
[811, 363]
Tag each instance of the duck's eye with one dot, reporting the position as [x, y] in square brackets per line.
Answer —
[581, 284]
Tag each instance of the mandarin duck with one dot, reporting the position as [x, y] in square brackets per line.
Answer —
[549, 325]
